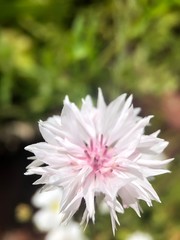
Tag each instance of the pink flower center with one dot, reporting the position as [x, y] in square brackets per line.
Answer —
[98, 154]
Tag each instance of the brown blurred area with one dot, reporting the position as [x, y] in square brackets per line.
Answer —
[15, 189]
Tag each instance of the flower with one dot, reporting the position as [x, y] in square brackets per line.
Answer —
[47, 217]
[70, 232]
[100, 150]
[140, 236]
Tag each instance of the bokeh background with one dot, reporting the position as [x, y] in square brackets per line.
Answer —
[50, 48]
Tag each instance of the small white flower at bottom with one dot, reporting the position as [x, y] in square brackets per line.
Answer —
[70, 232]
[139, 236]
[47, 217]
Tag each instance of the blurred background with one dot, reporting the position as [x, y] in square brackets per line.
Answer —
[50, 48]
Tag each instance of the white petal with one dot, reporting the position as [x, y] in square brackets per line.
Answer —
[112, 112]
[77, 130]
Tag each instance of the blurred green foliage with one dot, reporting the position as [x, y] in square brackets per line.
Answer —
[50, 48]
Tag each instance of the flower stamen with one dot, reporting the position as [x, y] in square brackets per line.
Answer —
[96, 153]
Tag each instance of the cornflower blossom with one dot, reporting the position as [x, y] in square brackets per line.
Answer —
[98, 150]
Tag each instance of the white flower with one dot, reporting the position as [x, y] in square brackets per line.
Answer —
[140, 236]
[47, 217]
[70, 232]
[95, 151]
